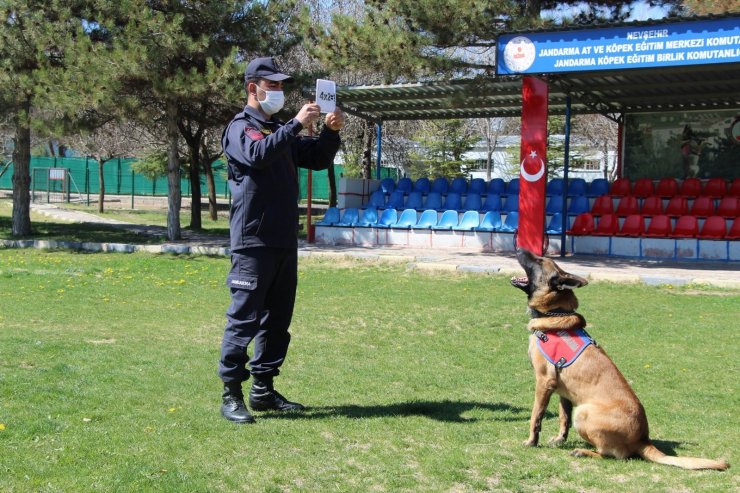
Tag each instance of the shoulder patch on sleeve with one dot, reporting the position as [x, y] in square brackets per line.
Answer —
[253, 133]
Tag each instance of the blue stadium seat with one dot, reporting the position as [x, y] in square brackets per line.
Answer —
[497, 186]
[459, 185]
[407, 220]
[369, 218]
[578, 205]
[405, 185]
[511, 223]
[448, 220]
[555, 204]
[556, 225]
[414, 200]
[387, 185]
[477, 185]
[377, 200]
[396, 200]
[453, 201]
[576, 187]
[469, 221]
[331, 217]
[387, 219]
[555, 187]
[511, 204]
[433, 201]
[427, 220]
[422, 185]
[492, 202]
[440, 185]
[350, 217]
[512, 188]
[491, 222]
[597, 187]
[472, 202]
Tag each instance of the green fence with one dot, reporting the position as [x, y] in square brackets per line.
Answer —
[120, 178]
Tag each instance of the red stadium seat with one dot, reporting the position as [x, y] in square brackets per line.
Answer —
[659, 227]
[686, 227]
[634, 225]
[652, 206]
[714, 228]
[677, 206]
[582, 225]
[728, 207]
[734, 188]
[627, 205]
[690, 187]
[715, 188]
[621, 187]
[666, 188]
[607, 226]
[702, 207]
[602, 205]
[643, 188]
[734, 232]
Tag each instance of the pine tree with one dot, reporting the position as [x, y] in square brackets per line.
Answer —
[187, 74]
[49, 70]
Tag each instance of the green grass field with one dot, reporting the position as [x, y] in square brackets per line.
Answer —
[415, 382]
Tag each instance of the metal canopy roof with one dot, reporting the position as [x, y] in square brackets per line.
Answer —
[610, 92]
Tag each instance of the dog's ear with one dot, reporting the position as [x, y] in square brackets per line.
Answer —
[567, 281]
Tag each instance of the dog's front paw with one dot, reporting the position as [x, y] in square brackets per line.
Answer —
[530, 443]
[556, 441]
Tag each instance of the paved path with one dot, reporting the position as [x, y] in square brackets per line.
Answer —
[720, 274]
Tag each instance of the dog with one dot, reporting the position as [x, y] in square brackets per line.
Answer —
[594, 396]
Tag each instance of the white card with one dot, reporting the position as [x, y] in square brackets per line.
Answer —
[326, 95]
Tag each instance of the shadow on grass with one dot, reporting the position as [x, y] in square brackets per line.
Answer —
[447, 411]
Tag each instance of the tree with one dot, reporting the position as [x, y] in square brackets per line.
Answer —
[49, 62]
[415, 39]
[188, 72]
[442, 144]
[108, 141]
[492, 129]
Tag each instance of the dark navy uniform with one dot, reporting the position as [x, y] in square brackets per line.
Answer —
[263, 157]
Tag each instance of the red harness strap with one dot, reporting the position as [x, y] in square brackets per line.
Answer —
[562, 347]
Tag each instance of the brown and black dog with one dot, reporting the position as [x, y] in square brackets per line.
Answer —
[607, 413]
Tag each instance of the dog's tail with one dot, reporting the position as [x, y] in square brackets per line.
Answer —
[649, 452]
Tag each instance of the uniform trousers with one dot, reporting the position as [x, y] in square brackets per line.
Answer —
[263, 284]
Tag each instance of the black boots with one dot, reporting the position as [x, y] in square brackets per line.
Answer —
[233, 407]
[263, 397]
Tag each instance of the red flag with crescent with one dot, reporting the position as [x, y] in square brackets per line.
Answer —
[533, 167]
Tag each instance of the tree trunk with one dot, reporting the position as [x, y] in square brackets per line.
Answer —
[101, 180]
[367, 152]
[195, 195]
[211, 182]
[21, 220]
[174, 195]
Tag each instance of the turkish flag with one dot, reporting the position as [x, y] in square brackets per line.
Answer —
[533, 167]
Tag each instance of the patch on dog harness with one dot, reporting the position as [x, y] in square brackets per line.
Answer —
[562, 347]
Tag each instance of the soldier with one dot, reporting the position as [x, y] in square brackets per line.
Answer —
[263, 154]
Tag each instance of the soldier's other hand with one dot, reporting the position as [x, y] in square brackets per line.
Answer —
[335, 120]
[308, 114]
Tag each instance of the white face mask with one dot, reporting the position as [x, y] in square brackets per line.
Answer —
[274, 101]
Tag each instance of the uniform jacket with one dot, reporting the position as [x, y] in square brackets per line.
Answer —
[263, 157]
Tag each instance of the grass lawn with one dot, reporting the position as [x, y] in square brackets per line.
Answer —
[415, 382]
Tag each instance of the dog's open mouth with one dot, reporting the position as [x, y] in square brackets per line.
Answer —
[520, 282]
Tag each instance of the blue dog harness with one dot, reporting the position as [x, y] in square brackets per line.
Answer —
[562, 347]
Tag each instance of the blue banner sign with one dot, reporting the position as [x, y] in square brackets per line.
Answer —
[659, 45]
